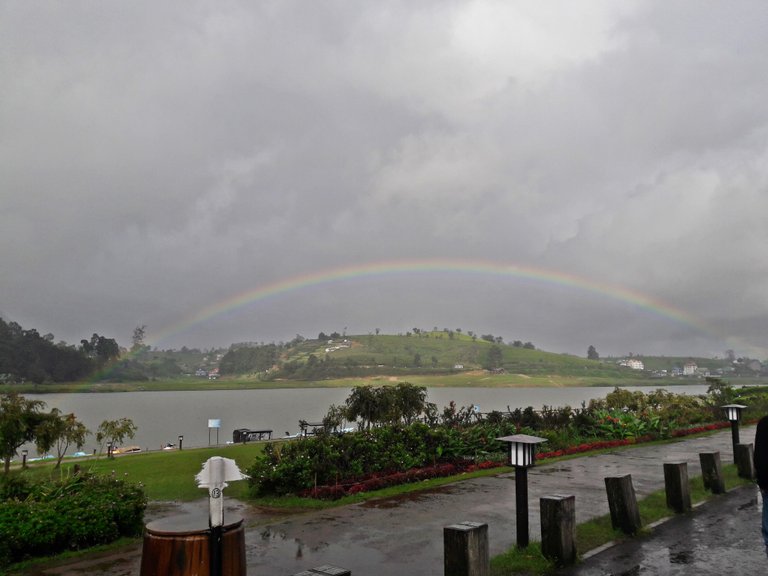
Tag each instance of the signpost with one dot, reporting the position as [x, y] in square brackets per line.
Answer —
[214, 476]
[214, 423]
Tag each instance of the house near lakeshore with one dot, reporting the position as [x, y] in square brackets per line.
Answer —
[690, 368]
[633, 363]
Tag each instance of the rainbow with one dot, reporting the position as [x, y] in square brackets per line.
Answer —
[456, 266]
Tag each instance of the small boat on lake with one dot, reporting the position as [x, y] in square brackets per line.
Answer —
[126, 450]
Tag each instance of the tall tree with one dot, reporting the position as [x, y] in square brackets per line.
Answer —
[100, 348]
[60, 431]
[114, 432]
[592, 353]
[495, 357]
[362, 403]
[410, 401]
[19, 418]
[106, 349]
[137, 341]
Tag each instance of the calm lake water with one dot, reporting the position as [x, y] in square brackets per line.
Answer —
[162, 416]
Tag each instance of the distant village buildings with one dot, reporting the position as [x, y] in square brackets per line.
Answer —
[341, 346]
[633, 363]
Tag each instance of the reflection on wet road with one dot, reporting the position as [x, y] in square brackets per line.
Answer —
[722, 537]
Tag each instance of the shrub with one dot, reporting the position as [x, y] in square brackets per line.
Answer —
[328, 465]
[73, 514]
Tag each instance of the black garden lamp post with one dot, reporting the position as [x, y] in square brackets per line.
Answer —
[24, 458]
[733, 413]
[522, 455]
[181, 440]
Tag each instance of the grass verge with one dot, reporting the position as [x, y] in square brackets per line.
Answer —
[598, 531]
[165, 475]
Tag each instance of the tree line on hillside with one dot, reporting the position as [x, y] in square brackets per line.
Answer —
[25, 355]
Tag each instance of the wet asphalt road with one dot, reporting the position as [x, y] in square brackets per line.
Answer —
[394, 537]
[722, 537]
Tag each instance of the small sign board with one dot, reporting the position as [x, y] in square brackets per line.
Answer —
[214, 423]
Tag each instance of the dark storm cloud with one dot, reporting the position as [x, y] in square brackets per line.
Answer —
[158, 158]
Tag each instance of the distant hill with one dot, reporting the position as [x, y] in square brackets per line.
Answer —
[27, 356]
[427, 353]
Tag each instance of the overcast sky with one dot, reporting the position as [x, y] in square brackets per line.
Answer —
[158, 159]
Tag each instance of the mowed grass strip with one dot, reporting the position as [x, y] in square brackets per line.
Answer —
[165, 475]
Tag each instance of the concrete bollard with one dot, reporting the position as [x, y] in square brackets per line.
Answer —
[677, 487]
[744, 455]
[466, 550]
[558, 527]
[712, 472]
[625, 515]
[325, 570]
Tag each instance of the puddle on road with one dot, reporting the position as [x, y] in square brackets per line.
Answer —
[276, 540]
[395, 501]
[554, 470]
[751, 504]
[275, 552]
[681, 557]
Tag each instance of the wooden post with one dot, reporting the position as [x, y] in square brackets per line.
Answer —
[466, 550]
[677, 487]
[712, 472]
[558, 525]
[744, 456]
[625, 515]
[180, 546]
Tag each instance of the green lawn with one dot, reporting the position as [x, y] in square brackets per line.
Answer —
[165, 475]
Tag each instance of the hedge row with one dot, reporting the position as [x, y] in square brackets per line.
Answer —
[46, 519]
[384, 480]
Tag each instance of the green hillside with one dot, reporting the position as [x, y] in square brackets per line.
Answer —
[426, 353]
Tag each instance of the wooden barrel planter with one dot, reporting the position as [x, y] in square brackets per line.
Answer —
[180, 546]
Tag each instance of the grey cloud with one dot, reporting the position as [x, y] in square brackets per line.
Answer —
[156, 159]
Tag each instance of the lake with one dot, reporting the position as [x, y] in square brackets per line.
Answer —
[162, 416]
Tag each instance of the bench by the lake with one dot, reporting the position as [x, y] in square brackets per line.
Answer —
[305, 427]
[246, 435]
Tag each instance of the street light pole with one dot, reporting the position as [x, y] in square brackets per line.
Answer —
[521, 502]
[733, 413]
[522, 455]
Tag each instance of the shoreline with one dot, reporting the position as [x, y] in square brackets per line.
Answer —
[473, 380]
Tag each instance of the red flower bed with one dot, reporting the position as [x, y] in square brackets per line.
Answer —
[700, 429]
[379, 481]
[590, 446]
[384, 480]
[603, 444]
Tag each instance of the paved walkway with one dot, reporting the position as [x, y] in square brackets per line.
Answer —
[397, 536]
[720, 537]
